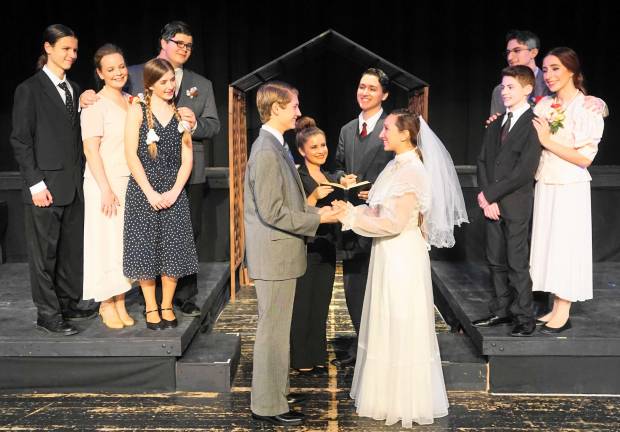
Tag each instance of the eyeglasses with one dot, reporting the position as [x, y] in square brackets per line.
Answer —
[516, 50]
[183, 45]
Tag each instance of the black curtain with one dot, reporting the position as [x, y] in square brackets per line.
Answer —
[455, 46]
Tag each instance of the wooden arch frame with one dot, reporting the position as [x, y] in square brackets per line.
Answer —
[237, 124]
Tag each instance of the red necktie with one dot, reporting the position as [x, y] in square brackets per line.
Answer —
[364, 132]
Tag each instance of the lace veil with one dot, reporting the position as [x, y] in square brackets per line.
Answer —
[447, 207]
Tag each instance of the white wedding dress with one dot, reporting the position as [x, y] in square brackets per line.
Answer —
[398, 375]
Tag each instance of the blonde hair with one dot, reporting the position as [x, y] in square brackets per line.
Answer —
[273, 92]
[153, 70]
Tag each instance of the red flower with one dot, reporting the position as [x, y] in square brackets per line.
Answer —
[537, 99]
[556, 106]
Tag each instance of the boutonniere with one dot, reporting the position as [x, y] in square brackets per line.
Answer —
[136, 99]
[192, 93]
[555, 117]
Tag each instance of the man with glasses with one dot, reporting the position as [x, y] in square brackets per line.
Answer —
[521, 49]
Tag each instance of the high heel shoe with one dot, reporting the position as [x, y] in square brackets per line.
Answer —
[169, 323]
[153, 326]
[110, 318]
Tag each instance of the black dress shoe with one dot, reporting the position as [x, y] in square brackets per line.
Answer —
[552, 331]
[492, 321]
[57, 327]
[291, 418]
[154, 325]
[523, 330]
[296, 398]
[169, 323]
[540, 322]
[349, 360]
[79, 314]
[188, 308]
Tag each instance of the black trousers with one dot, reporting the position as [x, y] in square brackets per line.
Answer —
[55, 240]
[313, 294]
[355, 274]
[187, 286]
[507, 250]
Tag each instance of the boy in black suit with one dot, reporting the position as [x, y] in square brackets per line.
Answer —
[506, 167]
[48, 148]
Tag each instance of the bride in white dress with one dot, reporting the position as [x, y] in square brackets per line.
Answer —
[398, 375]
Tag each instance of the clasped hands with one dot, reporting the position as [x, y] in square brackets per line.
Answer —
[334, 213]
[491, 210]
[162, 201]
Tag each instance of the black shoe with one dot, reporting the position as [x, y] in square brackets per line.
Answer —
[58, 327]
[552, 331]
[79, 314]
[540, 322]
[523, 330]
[291, 418]
[169, 323]
[295, 398]
[492, 321]
[188, 308]
[349, 360]
[154, 326]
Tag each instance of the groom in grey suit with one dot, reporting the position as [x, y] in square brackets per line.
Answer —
[196, 104]
[277, 222]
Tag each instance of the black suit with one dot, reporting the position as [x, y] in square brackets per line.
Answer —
[366, 158]
[48, 147]
[506, 176]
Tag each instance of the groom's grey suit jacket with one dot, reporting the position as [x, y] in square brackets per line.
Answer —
[276, 217]
[201, 102]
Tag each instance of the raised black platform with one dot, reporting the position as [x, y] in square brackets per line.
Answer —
[132, 359]
[581, 360]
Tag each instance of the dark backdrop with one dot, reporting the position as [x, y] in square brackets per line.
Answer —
[455, 46]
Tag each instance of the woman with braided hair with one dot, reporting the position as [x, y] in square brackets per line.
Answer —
[158, 239]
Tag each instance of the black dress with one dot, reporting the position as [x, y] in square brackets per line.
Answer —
[158, 242]
[313, 292]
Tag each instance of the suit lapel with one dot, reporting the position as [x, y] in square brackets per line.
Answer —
[515, 131]
[51, 92]
[352, 144]
[186, 83]
[282, 152]
[370, 150]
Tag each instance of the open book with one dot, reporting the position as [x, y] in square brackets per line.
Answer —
[347, 193]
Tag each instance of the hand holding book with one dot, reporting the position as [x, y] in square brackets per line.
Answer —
[355, 193]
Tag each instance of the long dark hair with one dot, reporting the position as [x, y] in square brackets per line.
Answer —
[51, 35]
[570, 60]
